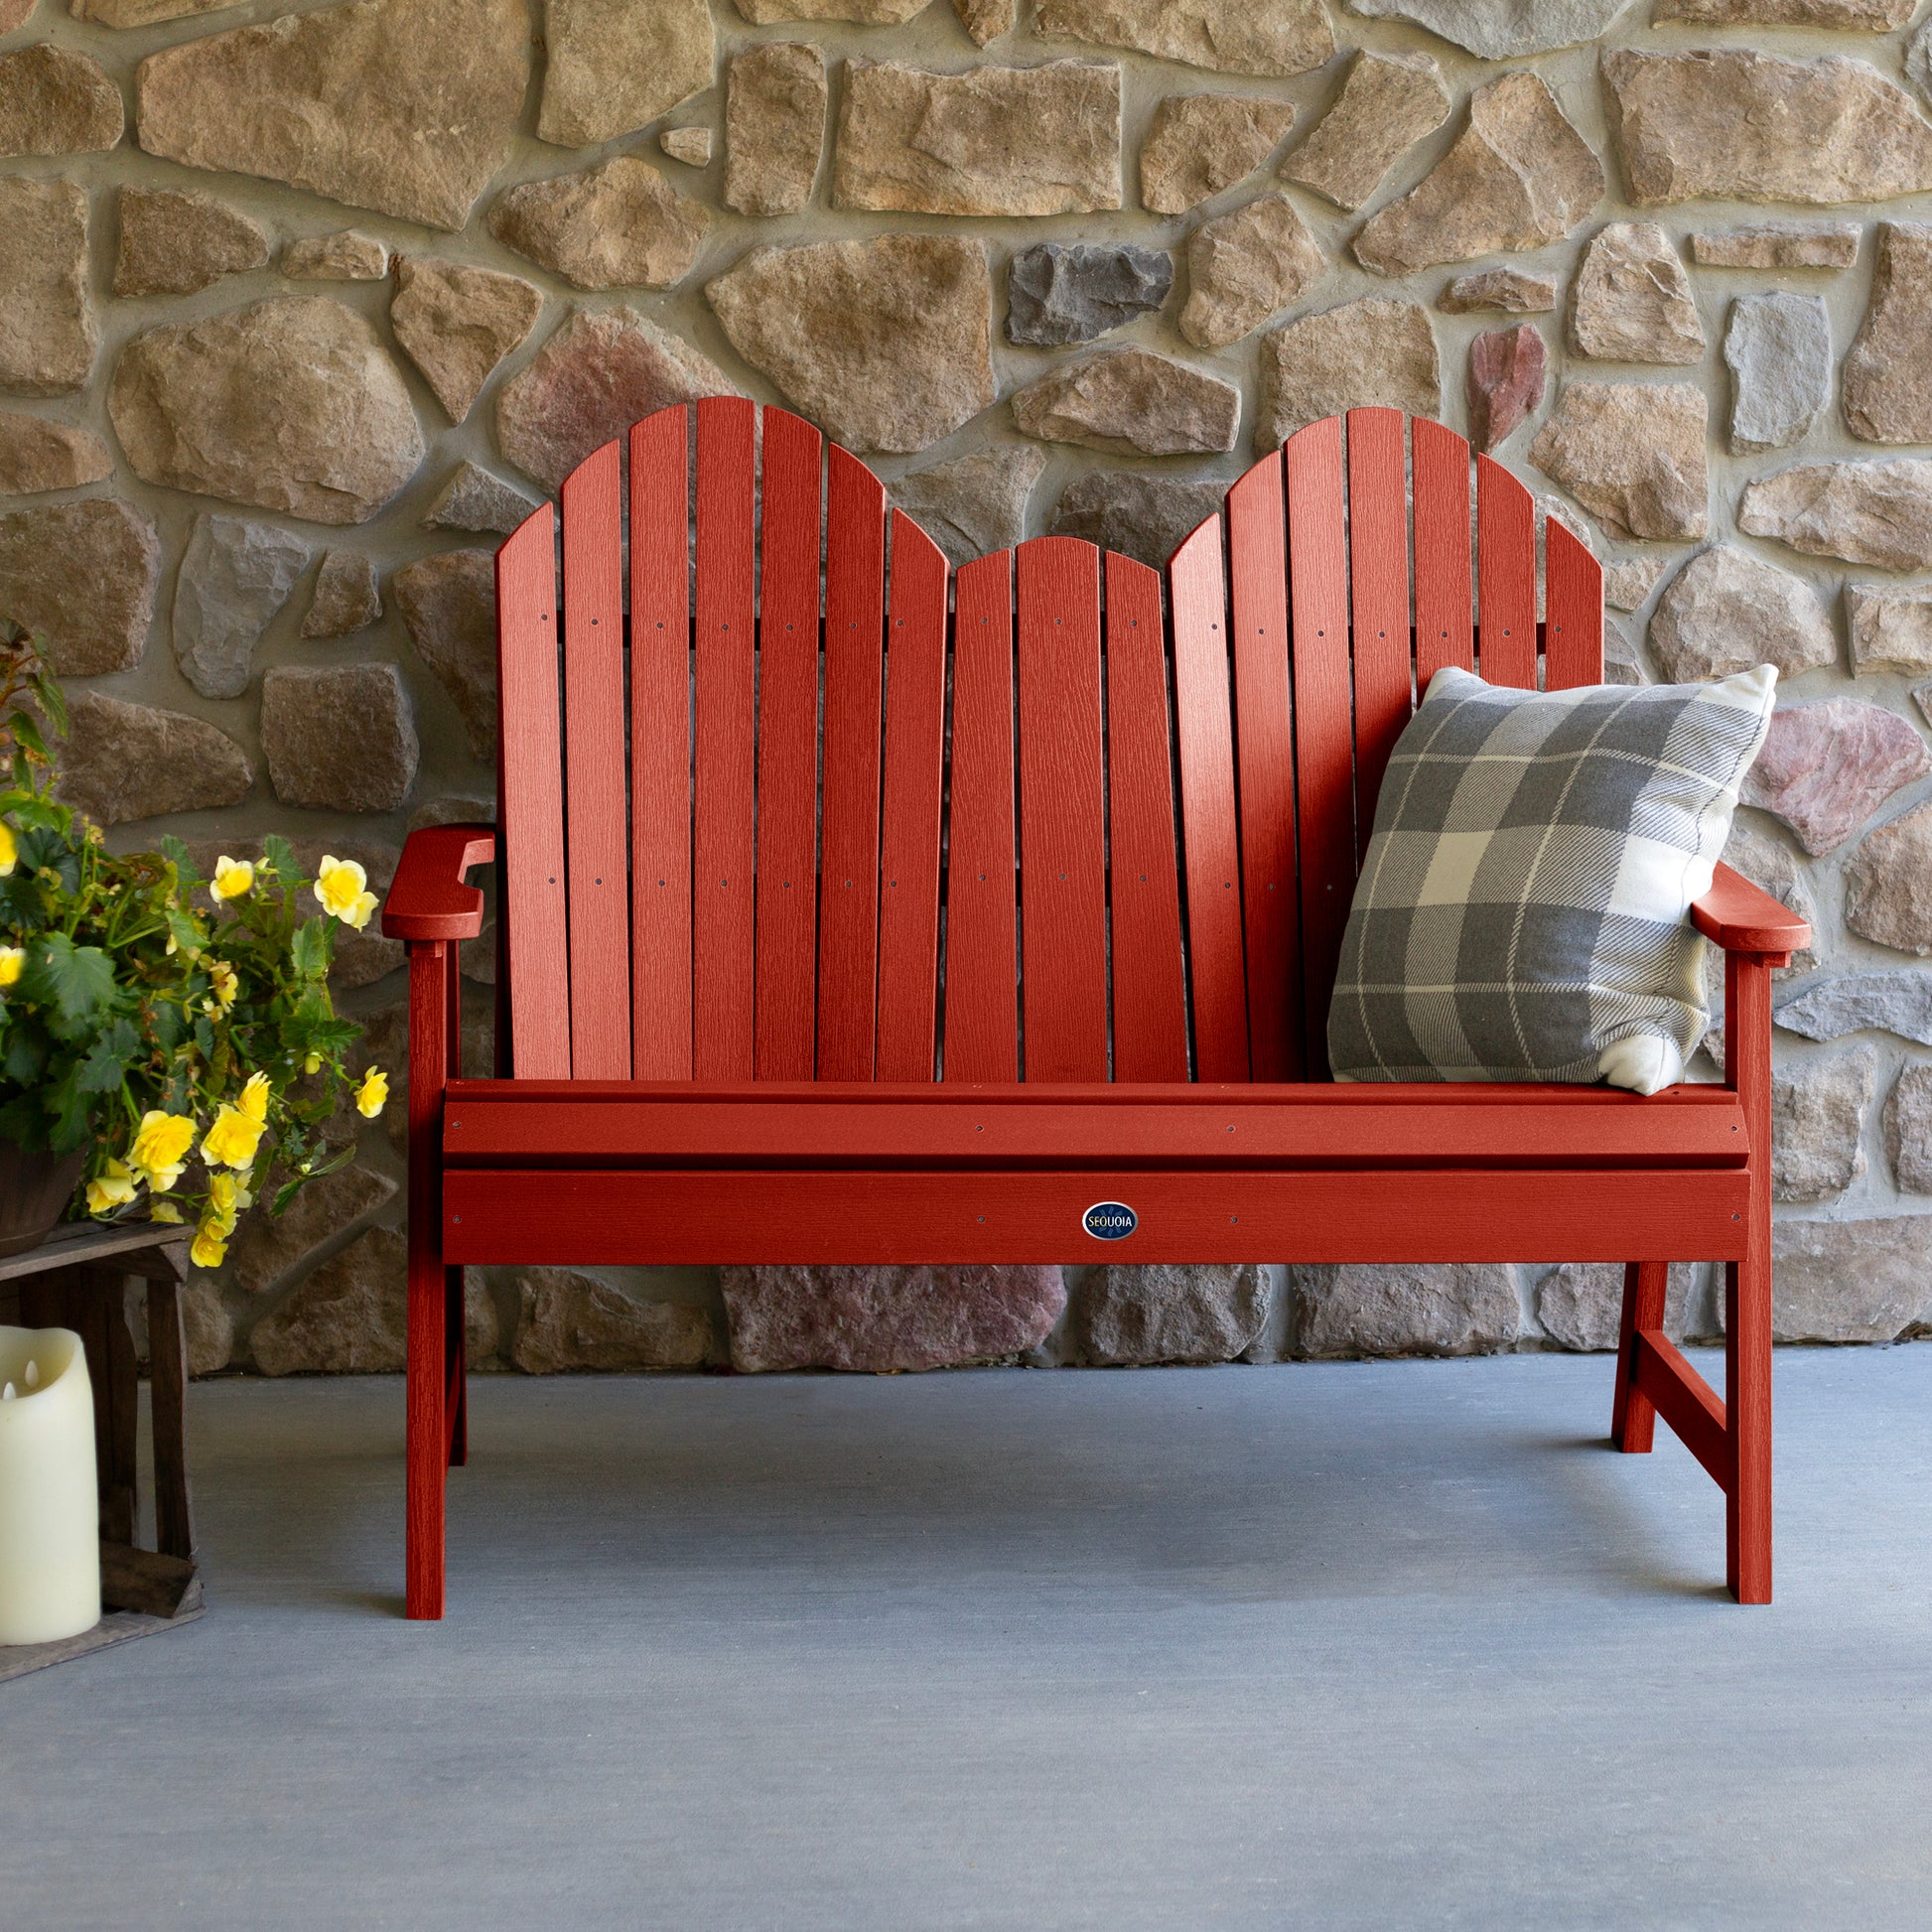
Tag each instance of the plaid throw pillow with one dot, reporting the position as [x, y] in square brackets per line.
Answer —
[1521, 914]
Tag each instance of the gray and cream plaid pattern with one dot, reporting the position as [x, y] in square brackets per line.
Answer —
[1522, 910]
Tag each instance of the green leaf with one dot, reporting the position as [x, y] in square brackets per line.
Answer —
[70, 1111]
[177, 854]
[280, 855]
[186, 932]
[53, 702]
[104, 1065]
[75, 982]
[311, 949]
[27, 733]
[32, 810]
[26, 1055]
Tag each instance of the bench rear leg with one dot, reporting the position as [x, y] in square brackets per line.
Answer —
[455, 1354]
[1633, 1416]
[1747, 1290]
[1748, 1393]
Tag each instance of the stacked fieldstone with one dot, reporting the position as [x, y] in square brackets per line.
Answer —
[302, 313]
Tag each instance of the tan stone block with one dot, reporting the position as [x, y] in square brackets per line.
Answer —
[993, 140]
[457, 323]
[1246, 267]
[85, 576]
[55, 100]
[614, 66]
[885, 344]
[1378, 351]
[127, 761]
[1279, 37]
[292, 404]
[175, 240]
[1388, 103]
[1518, 176]
[774, 127]
[617, 225]
[1734, 124]
[1632, 455]
[405, 106]
[47, 345]
[448, 604]
[1199, 144]
[38, 454]
[339, 738]
[1133, 402]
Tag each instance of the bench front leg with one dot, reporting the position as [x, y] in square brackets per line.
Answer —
[431, 979]
[1731, 1439]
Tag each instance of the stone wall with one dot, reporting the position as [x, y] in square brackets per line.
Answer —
[301, 308]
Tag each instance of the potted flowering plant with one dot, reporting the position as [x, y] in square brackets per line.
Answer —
[168, 1045]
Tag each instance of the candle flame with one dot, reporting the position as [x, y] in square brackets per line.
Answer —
[7, 1394]
[33, 1375]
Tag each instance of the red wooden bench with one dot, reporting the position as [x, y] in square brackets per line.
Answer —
[901, 992]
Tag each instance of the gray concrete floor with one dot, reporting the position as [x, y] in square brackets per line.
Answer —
[1338, 1646]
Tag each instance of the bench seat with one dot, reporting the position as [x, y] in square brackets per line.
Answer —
[640, 1172]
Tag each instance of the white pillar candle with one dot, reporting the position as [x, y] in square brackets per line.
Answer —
[49, 1512]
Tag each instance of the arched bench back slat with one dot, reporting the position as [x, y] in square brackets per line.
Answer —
[1378, 586]
[1149, 964]
[1324, 731]
[848, 922]
[1265, 766]
[982, 1041]
[660, 752]
[787, 801]
[1205, 739]
[595, 811]
[725, 683]
[529, 797]
[908, 842]
[886, 823]
[1063, 859]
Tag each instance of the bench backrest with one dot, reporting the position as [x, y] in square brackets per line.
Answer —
[805, 804]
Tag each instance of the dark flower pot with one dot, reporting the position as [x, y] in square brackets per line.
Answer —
[34, 1193]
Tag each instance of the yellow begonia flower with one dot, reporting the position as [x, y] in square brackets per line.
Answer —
[113, 1186]
[233, 1140]
[343, 888]
[160, 1149]
[224, 1201]
[233, 877]
[165, 1210]
[13, 962]
[9, 851]
[254, 1097]
[222, 988]
[373, 1094]
[313, 1063]
[211, 1247]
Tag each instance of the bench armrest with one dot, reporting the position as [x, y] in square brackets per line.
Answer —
[429, 900]
[1741, 918]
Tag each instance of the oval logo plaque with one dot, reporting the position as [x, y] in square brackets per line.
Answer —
[1110, 1220]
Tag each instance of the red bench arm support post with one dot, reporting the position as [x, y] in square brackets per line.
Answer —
[432, 910]
[1732, 1440]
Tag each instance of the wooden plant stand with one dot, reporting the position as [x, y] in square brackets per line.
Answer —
[78, 1279]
